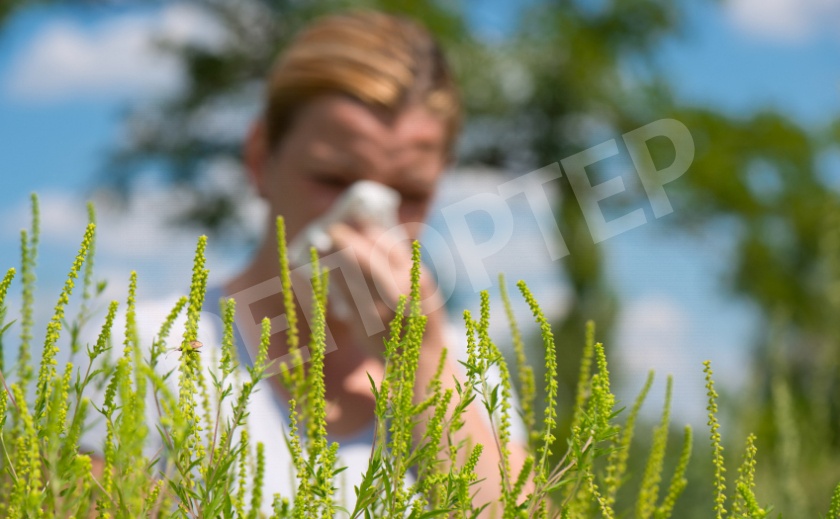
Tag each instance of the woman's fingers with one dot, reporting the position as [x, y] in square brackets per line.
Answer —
[381, 259]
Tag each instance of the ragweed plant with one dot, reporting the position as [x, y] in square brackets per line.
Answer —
[207, 464]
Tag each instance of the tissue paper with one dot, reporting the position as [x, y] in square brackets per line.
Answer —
[364, 203]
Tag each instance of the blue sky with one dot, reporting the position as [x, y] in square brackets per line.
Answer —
[65, 74]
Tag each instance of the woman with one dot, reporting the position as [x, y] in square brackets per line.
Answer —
[360, 97]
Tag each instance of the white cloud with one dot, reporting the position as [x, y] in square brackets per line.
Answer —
[137, 237]
[523, 255]
[656, 332]
[652, 335]
[118, 57]
[785, 20]
[63, 220]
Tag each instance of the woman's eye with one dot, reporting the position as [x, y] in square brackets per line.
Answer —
[331, 181]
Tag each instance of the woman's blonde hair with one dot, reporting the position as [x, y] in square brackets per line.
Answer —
[382, 60]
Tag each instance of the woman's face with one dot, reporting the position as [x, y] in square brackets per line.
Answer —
[336, 141]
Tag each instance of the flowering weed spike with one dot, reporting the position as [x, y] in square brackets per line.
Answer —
[286, 280]
[678, 480]
[228, 361]
[601, 393]
[132, 347]
[102, 344]
[717, 446]
[603, 505]
[617, 464]
[584, 376]
[84, 313]
[88, 278]
[4, 287]
[649, 491]
[259, 478]
[435, 429]
[383, 398]
[242, 475]
[188, 444]
[198, 422]
[473, 367]
[745, 502]
[47, 370]
[262, 353]
[36, 225]
[524, 476]
[316, 426]
[493, 355]
[26, 493]
[198, 287]
[303, 496]
[153, 495]
[166, 327]
[3, 404]
[550, 418]
[292, 376]
[319, 450]
[468, 476]
[91, 210]
[525, 374]
[433, 391]
[29, 259]
[131, 336]
[53, 439]
[834, 508]
[415, 277]
[26, 320]
[403, 422]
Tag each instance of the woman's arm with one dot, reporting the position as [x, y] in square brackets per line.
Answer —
[386, 264]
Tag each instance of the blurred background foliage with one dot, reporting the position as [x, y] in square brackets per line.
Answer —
[571, 75]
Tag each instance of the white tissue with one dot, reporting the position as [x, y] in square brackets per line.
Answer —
[364, 203]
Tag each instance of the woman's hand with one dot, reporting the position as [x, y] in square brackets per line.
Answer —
[383, 257]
